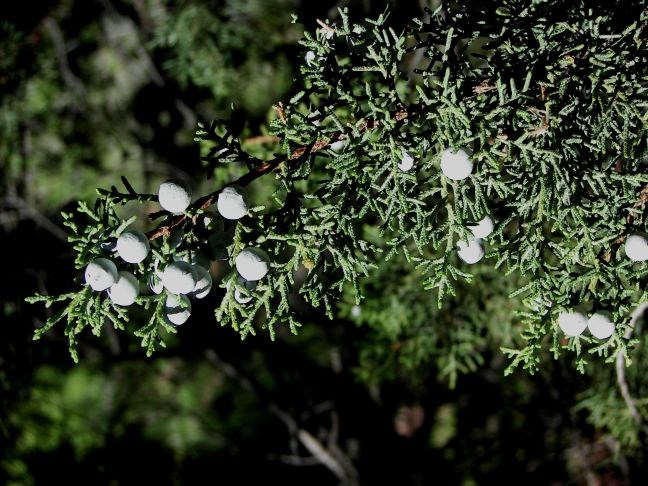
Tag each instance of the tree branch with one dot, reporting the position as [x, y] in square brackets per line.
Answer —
[343, 470]
[26, 210]
[266, 167]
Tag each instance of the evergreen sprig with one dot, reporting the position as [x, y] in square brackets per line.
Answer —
[548, 103]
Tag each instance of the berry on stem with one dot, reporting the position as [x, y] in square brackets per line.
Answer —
[178, 278]
[174, 196]
[600, 325]
[483, 228]
[456, 165]
[100, 274]
[239, 296]
[407, 162]
[470, 250]
[338, 146]
[310, 58]
[572, 323]
[177, 309]
[203, 282]
[231, 203]
[155, 283]
[133, 246]
[125, 290]
[252, 264]
[636, 248]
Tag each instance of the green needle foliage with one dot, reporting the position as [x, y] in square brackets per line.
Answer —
[548, 99]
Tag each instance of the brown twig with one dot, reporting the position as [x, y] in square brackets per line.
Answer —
[281, 113]
[26, 210]
[325, 27]
[264, 168]
[73, 83]
[261, 139]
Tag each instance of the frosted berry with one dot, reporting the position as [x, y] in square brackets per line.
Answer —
[239, 296]
[456, 165]
[600, 325]
[310, 58]
[125, 290]
[177, 309]
[636, 248]
[231, 203]
[174, 196]
[471, 250]
[203, 282]
[178, 278]
[155, 283]
[133, 246]
[572, 323]
[252, 264]
[100, 274]
[338, 146]
[483, 228]
[406, 163]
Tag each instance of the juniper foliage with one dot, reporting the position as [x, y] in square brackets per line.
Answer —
[550, 101]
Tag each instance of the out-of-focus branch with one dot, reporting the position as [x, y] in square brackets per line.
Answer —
[71, 80]
[620, 370]
[27, 211]
[329, 457]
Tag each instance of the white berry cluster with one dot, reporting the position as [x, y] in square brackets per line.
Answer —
[471, 250]
[185, 277]
[122, 286]
[574, 324]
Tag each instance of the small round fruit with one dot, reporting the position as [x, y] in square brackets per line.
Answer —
[174, 196]
[406, 163]
[125, 290]
[203, 282]
[177, 309]
[456, 165]
[252, 264]
[178, 278]
[155, 283]
[239, 296]
[572, 323]
[133, 246]
[101, 274]
[600, 325]
[338, 146]
[483, 228]
[636, 248]
[471, 250]
[231, 203]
